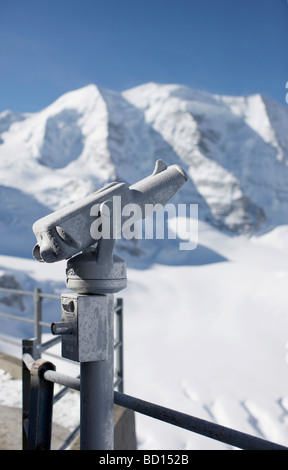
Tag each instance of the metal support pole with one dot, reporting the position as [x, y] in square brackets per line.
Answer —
[37, 315]
[97, 395]
[87, 331]
[119, 345]
[29, 346]
[41, 407]
[37, 400]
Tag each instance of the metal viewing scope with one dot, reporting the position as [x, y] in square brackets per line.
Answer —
[94, 273]
[66, 232]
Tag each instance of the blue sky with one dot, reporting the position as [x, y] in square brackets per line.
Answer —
[230, 47]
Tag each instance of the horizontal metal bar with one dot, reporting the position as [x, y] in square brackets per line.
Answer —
[16, 291]
[10, 341]
[69, 382]
[51, 342]
[62, 379]
[41, 294]
[27, 320]
[43, 323]
[61, 393]
[16, 317]
[23, 292]
[56, 356]
[199, 426]
[49, 296]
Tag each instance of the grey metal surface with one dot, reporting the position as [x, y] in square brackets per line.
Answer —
[119, 346]
[64, 233]
[84, 327]
[62, 379]
[86, 275]
[37, 399]
[97, 395]
[205, 428]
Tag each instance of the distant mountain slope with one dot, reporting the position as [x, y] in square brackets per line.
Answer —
[233, 148]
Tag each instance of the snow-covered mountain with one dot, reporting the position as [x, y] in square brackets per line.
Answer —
[216, 318]
[234, 149]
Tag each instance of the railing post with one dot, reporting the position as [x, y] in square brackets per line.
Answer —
[119, 344]
[29, 346]
[38, 404]
[37, 315]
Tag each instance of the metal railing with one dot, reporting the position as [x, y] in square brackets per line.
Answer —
[39, 324]
[37, 319]
[39, 377]
[46, 374]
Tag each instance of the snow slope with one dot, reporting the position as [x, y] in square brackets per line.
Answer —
[207, 339]
[234, 149]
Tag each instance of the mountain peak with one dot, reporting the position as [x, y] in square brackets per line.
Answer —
[234, 149]
[81, 99]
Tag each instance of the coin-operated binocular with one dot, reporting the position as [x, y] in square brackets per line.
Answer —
[95, 269]
[84, 233]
